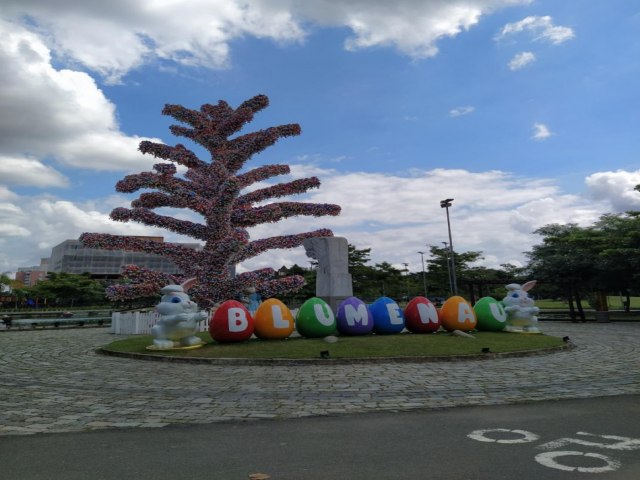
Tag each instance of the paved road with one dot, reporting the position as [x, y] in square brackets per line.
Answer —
[52, 381]
[478, 443]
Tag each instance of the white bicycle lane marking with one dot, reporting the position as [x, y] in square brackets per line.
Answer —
[552, 459]
[548, 459]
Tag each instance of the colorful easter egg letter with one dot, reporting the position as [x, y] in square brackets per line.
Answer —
[273, 320]
[231, 322]
[457, 314]
[491, 314]
[387, 316]
[354, 317]
[421, 316]
[315, 319]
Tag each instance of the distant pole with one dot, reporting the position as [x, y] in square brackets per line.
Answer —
[446, 252]
[406, 279]
[446, 204]
[424, 278]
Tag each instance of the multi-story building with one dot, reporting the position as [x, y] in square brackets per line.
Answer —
[71, 256]
[29, 276]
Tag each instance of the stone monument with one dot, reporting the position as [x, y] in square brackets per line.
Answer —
[333, 280]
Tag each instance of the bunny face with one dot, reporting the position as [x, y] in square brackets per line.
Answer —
[175, 301]
[517, 298]
[517, 295]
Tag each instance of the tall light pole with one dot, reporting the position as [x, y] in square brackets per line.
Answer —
[446, 204]
[424, 278]
[406, 279]
[447, 253]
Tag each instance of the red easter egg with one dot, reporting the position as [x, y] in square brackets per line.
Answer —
[421, 316]
[231, 322]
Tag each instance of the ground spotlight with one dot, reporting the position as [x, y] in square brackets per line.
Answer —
[324, 354]
[566, 339]
[486, 350]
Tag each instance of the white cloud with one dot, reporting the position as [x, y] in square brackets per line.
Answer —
[31, 226]
[199, 32]
[29, 171]
[541, 27]
[460, 111]
[616, 187]
[396, 215]
[413, 27]
[541, 132]
[193, 32]
[6, 194]
[59, 114]
[521, 60]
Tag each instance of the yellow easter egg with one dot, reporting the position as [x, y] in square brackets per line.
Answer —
[273, 320]
[457, 314]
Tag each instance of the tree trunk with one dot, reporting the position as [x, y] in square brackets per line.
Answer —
[601, 302]
[472, 292]
[579, 306]
[627, 305]
[572, 310]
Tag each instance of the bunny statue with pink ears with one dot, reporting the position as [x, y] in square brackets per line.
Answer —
[520, 309]
[179, 317]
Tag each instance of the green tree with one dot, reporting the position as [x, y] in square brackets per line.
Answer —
[589, 262]
[5, 282]
[567, 258]
[618, 255]
[365, 278]
[306, 291]
[68, 289]
[439, 269]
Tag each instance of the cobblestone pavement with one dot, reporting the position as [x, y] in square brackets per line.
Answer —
[53, 381]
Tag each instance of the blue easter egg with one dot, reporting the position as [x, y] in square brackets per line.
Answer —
[387, 316]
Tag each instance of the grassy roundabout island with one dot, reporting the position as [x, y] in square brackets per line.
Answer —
[438, 346]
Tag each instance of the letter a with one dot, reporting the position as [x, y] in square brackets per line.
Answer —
[465, 314]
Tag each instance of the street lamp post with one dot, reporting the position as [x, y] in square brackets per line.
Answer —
[446, 204]
[406, 279]
[424, 278]
[446, 252]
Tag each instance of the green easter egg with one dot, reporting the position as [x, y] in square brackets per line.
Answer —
[490, 314]
[315, 319]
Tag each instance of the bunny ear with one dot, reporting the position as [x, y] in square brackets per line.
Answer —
[529, 285]
[187, 284]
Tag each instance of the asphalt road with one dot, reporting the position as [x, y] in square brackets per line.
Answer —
[526, 441]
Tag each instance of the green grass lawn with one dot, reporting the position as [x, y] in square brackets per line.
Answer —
[402, 345]
[613, 301]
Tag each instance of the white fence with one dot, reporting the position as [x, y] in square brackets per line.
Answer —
[140, 323]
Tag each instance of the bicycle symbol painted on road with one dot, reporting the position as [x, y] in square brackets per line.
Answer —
[555, 454]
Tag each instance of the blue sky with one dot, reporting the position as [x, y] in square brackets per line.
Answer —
[525, 112]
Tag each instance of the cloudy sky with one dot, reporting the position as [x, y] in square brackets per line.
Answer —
[526, 112]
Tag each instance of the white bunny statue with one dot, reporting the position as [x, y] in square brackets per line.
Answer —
[179, 319]
[520, 309]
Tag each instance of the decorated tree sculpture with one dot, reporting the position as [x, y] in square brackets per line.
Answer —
[217, 191]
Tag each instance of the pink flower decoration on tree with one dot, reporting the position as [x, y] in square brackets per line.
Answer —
[214, 191]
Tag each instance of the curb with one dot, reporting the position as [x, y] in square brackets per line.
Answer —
[336, 361]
